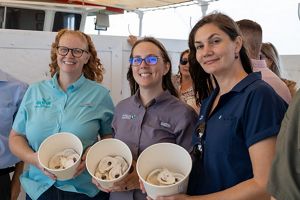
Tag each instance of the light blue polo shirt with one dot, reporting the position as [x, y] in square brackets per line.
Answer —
[85, 109]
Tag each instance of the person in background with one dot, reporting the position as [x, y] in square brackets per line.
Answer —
[183, 82]
[131, 40]
[270, 55]
[153, 113]
[252, 34]
[284, 182]
[234, 140]
[11, 94]
[72, 101]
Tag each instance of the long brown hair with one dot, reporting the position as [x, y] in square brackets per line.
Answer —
[203, 82]
[92, 70]
[166, 82]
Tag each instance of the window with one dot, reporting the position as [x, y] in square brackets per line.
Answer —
[66, 20]
[1, 16]
[24, 19]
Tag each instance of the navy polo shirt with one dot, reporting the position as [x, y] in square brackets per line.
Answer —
[252, 111]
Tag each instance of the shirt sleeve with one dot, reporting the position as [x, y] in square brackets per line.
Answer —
[284, 181]
[184, 137]
[106, 111]
[263, 115]
[20, 120]
[7, 158]
[23, 89]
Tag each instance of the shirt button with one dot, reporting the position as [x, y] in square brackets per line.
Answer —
[220, 116]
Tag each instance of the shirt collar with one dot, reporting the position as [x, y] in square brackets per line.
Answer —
[252, 77]
[74, 86]
[163, 96]
[258, 63]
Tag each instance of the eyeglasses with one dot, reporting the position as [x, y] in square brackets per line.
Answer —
[149, 60]
[183, 61]
[199, 146]
[76, 52]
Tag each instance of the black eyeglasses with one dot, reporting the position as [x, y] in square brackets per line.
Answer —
[183, 61]
[149, 60]
[76, 52]
[199, 146]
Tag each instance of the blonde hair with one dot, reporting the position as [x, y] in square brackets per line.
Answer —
[270, 52]
[92, 70]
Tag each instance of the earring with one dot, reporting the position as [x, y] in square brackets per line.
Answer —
[236, 55]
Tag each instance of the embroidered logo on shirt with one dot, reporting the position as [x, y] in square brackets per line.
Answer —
[165, 124]
[43, 103]
[128, 116]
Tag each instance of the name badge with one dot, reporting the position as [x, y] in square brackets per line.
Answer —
[128, 116]
[165, 124]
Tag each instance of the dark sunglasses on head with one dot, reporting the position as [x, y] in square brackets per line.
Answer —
[149, 60]
[183, 61]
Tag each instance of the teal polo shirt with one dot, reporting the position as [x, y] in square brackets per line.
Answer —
[85, 109]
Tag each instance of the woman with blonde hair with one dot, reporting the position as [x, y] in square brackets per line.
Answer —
[271, 56]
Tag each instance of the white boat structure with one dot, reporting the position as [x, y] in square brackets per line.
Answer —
[27, 29]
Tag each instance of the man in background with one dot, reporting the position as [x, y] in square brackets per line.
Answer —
[284, 181]
[252, 34]
[11, 94]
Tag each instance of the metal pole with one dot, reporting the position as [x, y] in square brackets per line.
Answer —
[140, 15]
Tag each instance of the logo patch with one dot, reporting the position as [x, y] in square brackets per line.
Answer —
[43, 103]
[128, 116]
[165, 124]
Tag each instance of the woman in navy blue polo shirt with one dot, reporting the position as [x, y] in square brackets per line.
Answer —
[234, 141]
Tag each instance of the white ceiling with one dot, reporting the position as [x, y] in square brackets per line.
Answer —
[121, 4]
